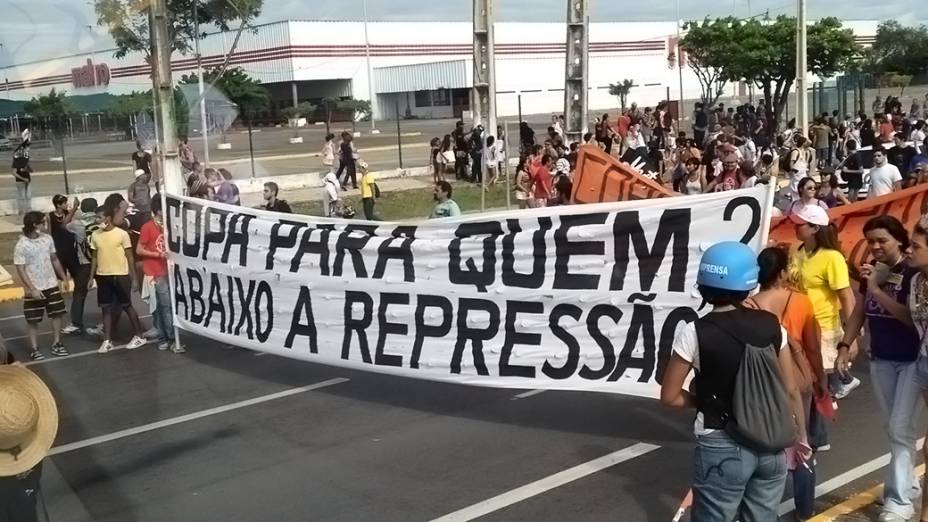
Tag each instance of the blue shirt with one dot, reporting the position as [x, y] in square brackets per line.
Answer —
[890, 339]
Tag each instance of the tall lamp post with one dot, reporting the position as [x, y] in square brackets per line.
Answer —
[370, 72]
[196, 39]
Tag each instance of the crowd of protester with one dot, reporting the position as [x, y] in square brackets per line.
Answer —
[811, 293]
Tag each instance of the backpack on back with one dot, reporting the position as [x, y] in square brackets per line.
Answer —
[760, 410]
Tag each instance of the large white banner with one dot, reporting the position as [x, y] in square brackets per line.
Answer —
[583, 297]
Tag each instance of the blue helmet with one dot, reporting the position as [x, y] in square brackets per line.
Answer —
[729, 265]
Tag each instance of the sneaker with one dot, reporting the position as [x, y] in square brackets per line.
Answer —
[136, 342]
[94, 331]
[847, 388]
[71, 330]
[36, 355]
[164, 346]
[889, 516]
[152, 334]
[58, 350]
[823, 448]
[178, 348]
[106, 347]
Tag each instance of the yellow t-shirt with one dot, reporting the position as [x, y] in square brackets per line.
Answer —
[820, 275]
[110, 247]
[367, 185]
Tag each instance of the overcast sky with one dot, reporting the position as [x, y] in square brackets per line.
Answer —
[41, 29]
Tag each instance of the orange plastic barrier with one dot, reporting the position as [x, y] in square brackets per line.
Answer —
[600, 177]
[907, 206]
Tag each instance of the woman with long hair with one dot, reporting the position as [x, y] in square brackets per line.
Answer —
[894, 348]
[523, 186]
[694, 180]
[807, 193]
[794, 311]
[830, 192]
[819, 269]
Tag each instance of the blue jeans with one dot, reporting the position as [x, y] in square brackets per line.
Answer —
[23, 197]
[734, 482]
[898, 394]
[164, 315]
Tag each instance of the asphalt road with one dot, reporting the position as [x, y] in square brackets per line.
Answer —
[355, 446]
[381, 151]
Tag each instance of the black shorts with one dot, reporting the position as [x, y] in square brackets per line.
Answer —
[115, 289]
[854, 180]
[52, 304]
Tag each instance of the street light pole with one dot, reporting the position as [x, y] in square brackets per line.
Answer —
[679, 68]
[370, 72]
[802, 100]
[196, 39]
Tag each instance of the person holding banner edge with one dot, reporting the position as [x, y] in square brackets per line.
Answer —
[740, 472]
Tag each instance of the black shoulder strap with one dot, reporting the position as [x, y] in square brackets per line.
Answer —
[722, 328]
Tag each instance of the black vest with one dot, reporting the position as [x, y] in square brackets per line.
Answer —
[720, 357]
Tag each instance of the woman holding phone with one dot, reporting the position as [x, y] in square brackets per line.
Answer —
[885, 286]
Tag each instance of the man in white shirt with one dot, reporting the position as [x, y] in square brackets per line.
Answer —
[884, 176]
[918, 137]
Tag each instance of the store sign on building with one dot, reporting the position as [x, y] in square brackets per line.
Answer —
[90, 75]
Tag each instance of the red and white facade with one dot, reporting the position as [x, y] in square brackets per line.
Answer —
[423, 69]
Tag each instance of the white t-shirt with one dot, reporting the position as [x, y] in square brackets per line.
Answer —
[36, 255]
[686, 345]
[919, 138]
[882, 180]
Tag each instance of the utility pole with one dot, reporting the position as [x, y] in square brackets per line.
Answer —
[164, 87]
[576, 93]
[203, 124]
[802, 100]
[680, 111]
[370, 71]
[484, 92]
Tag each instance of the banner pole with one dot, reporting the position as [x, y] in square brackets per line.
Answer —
[768, 213]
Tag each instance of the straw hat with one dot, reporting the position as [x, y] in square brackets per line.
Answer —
[28, 420]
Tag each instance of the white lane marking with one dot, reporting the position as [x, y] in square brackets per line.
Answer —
[525, 395]
[12, 317]
[52, 358]
[93, 441]
[41, 334]
[550, 482]
[260, 354]
[846, 478]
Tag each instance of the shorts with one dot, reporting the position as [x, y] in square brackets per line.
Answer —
[113, 289]
[52, 304]
[854, 180]
[830, 340]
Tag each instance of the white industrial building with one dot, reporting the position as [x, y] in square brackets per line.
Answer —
[422, 69]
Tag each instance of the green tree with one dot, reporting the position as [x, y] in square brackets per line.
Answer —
[899, 49]
[359, 109]
[621, 90]
[295, 113]
[51, 106]
[708, 46]
[894, 79]
[244, 91]
[764, 53]
[124, 105]
[127, 21]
